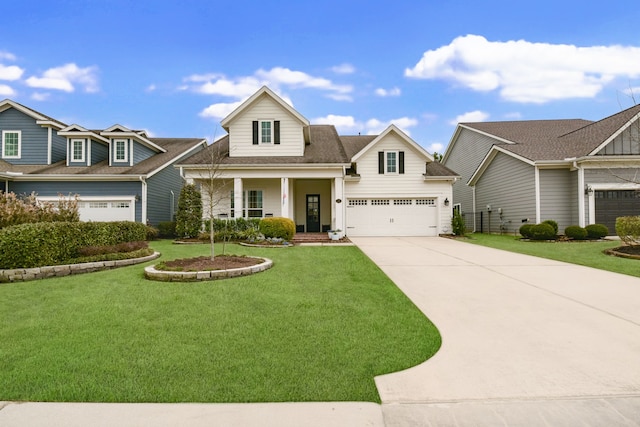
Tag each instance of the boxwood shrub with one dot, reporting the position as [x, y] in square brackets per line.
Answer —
[542, 232]
[553, 224]
[53, 243]
[597, 231]
[525, 230]
[282, 228]
[575, 232]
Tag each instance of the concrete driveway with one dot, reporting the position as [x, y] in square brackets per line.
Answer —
[526, 341]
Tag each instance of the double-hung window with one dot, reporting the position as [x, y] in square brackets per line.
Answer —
[391, 162]
[266, 136]
[251, 201]
[120, 150]
[11, 144]
[266, 132]
[77, 150]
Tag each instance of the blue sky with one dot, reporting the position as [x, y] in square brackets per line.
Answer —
[175, 68]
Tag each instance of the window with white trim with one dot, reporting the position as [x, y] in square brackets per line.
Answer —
[11, 144]
[120, 150]
[254, 203]
[77, 150]
[266, 132]
[391, 161]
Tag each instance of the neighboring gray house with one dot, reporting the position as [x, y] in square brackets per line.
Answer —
[117, 173]
[575, 172]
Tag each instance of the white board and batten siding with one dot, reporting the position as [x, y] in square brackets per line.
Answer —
[396, 204]
[265, 108]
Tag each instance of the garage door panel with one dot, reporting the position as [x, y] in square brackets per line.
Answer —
[392, 217]
[106, 210]
[611, 204]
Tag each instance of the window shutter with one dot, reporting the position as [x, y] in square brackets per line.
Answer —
[276, 132]
[401, 162]
[381, 162]
[255, 132]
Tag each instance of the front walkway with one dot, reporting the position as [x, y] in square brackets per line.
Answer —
[526, 341]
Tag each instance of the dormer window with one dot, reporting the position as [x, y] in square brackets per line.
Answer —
[77, 150]
[391, 162]
[266, 132]
[120, 150]
[11, 144]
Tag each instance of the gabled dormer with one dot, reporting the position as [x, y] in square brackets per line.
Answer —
[266, 125]
[84, 147]
[129, 147]
[29, 137]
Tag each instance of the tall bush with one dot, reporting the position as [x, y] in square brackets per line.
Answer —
[628, 229]
[457, 223]
[189, 213]
[282, 228]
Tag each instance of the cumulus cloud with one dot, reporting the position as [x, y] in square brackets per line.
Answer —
[388, 92]
[375, 126]
[435, 147]
[349, 125]
[40, 96]
[219, 110]
[470, 117]
[65, 78]
[528, 72]
[8, 56]
[344, 69]
[10, 72]
[344, 124]
[6, 90]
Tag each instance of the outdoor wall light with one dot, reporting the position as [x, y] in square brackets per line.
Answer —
[446, 201]
[588, 191]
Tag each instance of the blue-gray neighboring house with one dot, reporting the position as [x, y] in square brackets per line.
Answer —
[117, 173]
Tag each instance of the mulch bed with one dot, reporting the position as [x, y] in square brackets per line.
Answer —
[625, 251]
[204, 263]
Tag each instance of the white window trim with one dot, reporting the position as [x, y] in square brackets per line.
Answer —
[115, 151]
[82, 151]
[245, 203]
[271, 136]
[4, 153]
[386, 162]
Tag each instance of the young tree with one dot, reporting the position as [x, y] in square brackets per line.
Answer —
[189, 214]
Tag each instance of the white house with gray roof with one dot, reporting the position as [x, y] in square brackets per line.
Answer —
[273, 162]
[575, 172]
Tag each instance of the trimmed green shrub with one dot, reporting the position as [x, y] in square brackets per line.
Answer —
[597, 231]
[189, 213]
[525, 230]
[282, 228]
[53, 243]
[457, 223]
[167, 229]
[575, 232]
[553, 224]
[628, 229]
[542, 232]
[232, 229]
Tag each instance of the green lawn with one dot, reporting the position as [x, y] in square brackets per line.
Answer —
[318, 326]
[578, 252]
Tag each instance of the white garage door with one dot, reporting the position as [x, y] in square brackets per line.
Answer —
[106, 210]
[392, 217]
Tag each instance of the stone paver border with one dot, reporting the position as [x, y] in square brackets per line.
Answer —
[197, 276]
[26, 274]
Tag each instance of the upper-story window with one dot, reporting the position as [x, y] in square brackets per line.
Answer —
[391, 162]
[11, 144]
[77, 150]
[266, 132]
[120, 150]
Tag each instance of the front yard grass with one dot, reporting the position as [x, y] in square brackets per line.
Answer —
[318, 326]
[587, 253]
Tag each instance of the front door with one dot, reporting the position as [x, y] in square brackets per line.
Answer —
[313, 213]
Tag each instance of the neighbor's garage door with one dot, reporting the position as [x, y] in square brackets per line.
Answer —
[106, 210]
[615, 203]
[392, 217]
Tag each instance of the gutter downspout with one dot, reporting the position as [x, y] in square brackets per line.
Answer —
[537, 191]
[143, 200]
[581, 220]
[473, 197]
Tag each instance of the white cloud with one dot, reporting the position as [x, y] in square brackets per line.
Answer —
[342, 123]
[220, 110]
[388, 92]
[8, 56]
[40, 96]
[528, 72]
[151, 88]
[6, 91]
[436, 147]
[297, 79]
[375, 126]
[10, 72]
[344, 69]
[470, 117]
[65, 77]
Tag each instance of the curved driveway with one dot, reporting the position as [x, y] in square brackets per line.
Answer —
[526, 341]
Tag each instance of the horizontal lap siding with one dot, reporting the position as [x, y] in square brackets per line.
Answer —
[617, 176]
[161, 204]
[58, 147]
[508, 184]
[141, 152]
[35, 139]
[556, 191]
[465, 157]
[99, 152]
[241, 132]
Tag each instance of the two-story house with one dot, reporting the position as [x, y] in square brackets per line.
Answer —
[273, 162]
[117, 173]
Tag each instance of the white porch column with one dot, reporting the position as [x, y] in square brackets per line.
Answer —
[581, 210]
[284, 195]
[337, 209]
[237, 198]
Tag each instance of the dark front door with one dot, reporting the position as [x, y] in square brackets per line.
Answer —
[313, 213]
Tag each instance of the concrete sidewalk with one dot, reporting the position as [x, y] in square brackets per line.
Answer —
[520, 334]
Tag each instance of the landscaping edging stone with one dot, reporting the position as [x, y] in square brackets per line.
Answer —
[614, 252]
[197, 276]
[27, 274]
